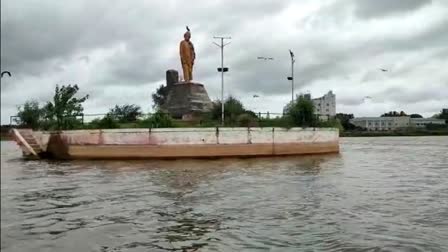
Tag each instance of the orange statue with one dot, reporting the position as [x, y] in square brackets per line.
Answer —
[187, 56]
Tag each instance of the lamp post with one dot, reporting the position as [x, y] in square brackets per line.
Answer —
[222, 69]
[291, 78]
[265, 59]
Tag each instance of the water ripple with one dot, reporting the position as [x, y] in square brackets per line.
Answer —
[378, 194]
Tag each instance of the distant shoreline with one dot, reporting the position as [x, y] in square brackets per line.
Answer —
[393, 134]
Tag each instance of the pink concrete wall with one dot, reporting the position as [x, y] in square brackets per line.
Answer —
[182, 136]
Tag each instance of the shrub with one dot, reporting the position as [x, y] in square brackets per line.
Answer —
[157, 120]
[331, 123]
[282, 122]
[107, 122]
[247, 120]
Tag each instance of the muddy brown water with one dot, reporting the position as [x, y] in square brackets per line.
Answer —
[378, 194]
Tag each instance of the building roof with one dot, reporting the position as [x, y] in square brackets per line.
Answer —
[379, 118]
[427, 120]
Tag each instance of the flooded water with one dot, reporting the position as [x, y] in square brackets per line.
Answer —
[378, 194]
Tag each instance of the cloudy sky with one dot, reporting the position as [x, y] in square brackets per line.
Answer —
[118, 51]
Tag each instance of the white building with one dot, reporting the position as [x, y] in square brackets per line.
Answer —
[422, 122]
[381, 123]
[393, 123]
[325, 106]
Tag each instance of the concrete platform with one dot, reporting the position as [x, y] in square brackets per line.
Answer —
[185, 143]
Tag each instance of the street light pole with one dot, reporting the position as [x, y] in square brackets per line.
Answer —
[292, 75]
[222, 69]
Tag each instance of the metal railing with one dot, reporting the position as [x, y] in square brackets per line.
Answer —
[86, 118]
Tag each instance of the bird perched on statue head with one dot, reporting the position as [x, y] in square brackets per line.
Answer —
[187, 34]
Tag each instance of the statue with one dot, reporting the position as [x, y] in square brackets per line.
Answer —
[185, 99]
[187, 56]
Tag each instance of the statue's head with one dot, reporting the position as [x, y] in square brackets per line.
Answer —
[187, 36]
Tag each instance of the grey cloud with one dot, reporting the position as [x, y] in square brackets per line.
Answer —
[435, 36]
[107, 45]
[403, 94]
[62, 30]
[86, 59]
[350, 101]
[380, 8]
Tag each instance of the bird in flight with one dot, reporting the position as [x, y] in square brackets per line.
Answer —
[366, 98]
[384, 70]
[188, 29]
[256, 96]
[6, 72]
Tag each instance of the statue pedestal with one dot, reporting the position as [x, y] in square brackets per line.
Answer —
[186, 98]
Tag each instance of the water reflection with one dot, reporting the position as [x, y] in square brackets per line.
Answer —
[178, 186]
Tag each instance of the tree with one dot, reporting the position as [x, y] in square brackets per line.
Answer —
[232, 109]
[443, 115]
[64, 109]
[159, 97]
[301, 112]
[29, 115]
[126, 113]
[345, 121]
[393, 114]
[416, 116]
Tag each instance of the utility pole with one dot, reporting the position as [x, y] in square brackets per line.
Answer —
[222, 69]
[292, 76]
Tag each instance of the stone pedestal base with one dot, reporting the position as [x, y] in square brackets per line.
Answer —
[187, 98]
